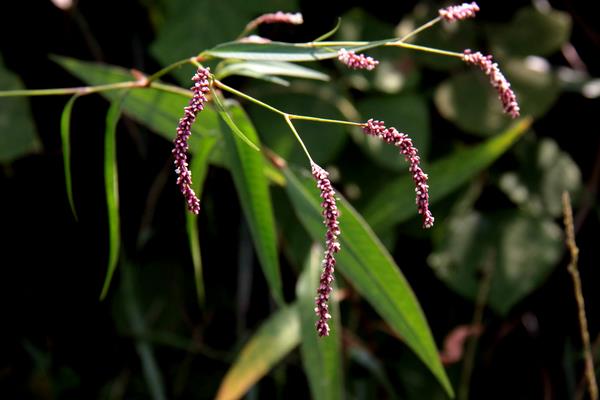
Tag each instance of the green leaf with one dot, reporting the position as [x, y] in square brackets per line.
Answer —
[225, 116]
[17, 131]
[520, 249]
[532, 31]
[321, 356]
[276, 337]
[407, 111]
[332, 32]
[396, 201]
[65, 129]
[247, 168]
[268, 68]
[111, 186]
[198, 169]
[369, 267]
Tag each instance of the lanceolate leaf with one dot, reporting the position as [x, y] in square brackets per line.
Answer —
[279, 335]
[111, 185]
[247, 168]
[365, 262]
[65, 129]
[270, 68]
[225, 116]
[321, 356]
[395, 202]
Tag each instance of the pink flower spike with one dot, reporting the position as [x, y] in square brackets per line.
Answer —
[330, 215]
[457, 13]
[405, 145]
[254, 39]
[184, 131]
[497, 79]
[274, 18]
[356, 61]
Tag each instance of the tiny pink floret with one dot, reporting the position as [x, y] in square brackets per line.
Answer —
[184, 131]
[457, 13]
[497, 79]
[330, 219]
[356, 61]
[411, 154]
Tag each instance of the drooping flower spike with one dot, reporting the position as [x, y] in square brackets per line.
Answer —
[274, 18]
[411, 154]
[457, 13]
[497, 79]
[330, 219]
[184, 130]
[356, 61]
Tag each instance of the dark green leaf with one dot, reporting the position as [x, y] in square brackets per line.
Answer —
[396, 201]
[520, 249]
[276, 337]
[369, 267]
[111, 186]
[65, 136]
[225, 116]
[321, 356]
[247, 168]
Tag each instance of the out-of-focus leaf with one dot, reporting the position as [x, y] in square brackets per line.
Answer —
[362, 356]
[321, 356]
[520, 249]
[324, 141]
[408, 113]
[111, 186]
[369, 267]
[247, 168]
[396, 201]
[17, 131]
[532, 31]
[276, 337]
[268, 68]
[198, 168]
[65, 136]
[545, 173]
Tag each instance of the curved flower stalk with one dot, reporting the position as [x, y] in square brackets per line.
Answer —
[274, 18]
[497, 79]
[330, 215]
[184, 130]
[405, 145]
[356, 61]
[460, 12]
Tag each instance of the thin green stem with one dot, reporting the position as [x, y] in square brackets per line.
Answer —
[170, 68]
[293, 128]
[81, 90]
[247, 97]
[420, 29]
[171, 89]
[325, 120]
[425, 49]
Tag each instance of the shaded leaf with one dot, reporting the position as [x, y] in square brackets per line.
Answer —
[275, 338]
[17, 131]
[369, 267]
[521, 250]
[232, 126]
[396, 201]
[321, 356]
[65, 136]
[247, 168]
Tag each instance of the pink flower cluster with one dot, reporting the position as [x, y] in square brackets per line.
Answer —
[274, 18]
[457, 13]
[330, 215]
[405, 145]
[497, 79]
[356, 61]
[184, 130]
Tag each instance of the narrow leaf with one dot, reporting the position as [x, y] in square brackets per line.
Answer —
[198, 168]
[247, 168]
[111, 185]
[365, 262]
[65, 129]
[225, 116]
[269, 68]
[321, 357]
[394, 203]
[331, 32]
[279, 335]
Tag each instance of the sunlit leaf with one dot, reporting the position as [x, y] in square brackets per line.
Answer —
[65, 136]
[268, 68]
[321, 356]
[247, 168]
[395, 202]
[111, 186]
[232, 126]
[276, 337]
[365, 262]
